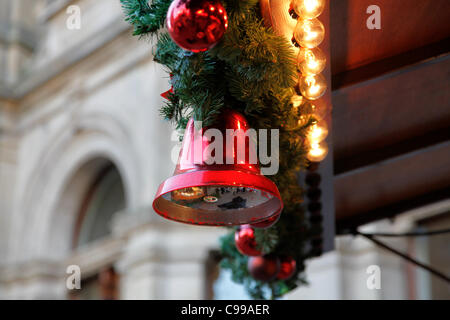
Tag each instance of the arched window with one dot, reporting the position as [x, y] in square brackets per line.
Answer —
[103, 199]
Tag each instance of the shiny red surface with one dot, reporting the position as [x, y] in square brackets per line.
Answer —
[192, 155]
[196, 25]
[288, 267]
[264, 268]
[244, 238]
[218, 178]
[190, 172]
[267, 223]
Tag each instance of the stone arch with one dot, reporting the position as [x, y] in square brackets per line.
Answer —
[74, 156]
[68, 207]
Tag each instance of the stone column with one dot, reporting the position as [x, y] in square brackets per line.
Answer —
[19, 36]
[33, 280]
[162, 259]
[8, 172]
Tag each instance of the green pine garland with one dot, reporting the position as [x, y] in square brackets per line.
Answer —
[252, 71]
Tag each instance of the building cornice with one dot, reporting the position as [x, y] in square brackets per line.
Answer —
[72, 55]
[17, 33]
[53, 9]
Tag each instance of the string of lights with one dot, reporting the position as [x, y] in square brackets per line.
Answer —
[312, 85]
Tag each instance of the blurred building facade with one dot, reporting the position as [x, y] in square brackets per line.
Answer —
[82, 151]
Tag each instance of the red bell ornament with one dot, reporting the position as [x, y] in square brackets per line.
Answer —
[245, 242]
[196, 25]
[267, 223]
[288, 266]
[218, 186]
[264, 268]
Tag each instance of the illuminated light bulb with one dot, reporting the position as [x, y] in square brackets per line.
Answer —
[317, 151]
[297, 101]
[313, 87]
[317, 132]
[309, 33]
[309, 9]
[311, 61]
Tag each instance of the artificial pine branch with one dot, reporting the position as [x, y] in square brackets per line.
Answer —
[253, 71]
[144, 17]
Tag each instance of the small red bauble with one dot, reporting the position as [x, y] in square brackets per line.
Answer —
[267, 223]
[288, 266]
[196, 25]
[244, 238]
[264, 268]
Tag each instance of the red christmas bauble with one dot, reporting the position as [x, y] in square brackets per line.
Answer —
[267, 223]
[196, 25]
[244, 238]
[288, 266]
[264, 268]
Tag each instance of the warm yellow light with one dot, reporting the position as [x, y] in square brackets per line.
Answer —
[313, 87]
[309, 9]
[189, 194]
[309, 33]
[311, 61]
[303, 120]
[318, 132]
[296, 101]
[318, 151]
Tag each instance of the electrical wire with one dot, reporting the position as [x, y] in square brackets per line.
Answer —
[409, 234]
[433, 271]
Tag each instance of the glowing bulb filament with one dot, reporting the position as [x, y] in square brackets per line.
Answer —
[313, 64]
[316, 132]
[317, 152]
[309, 9]
[311, 61]
[313, 88]
[311, 5]
[309, 34]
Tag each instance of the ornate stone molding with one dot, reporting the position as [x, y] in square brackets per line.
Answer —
[19, 33]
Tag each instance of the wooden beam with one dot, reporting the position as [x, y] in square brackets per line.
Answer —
[416, 144]
[405, 26]
[395, 184]
[399, 63]
[391, 116]
[403, 105]
[345, 225]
